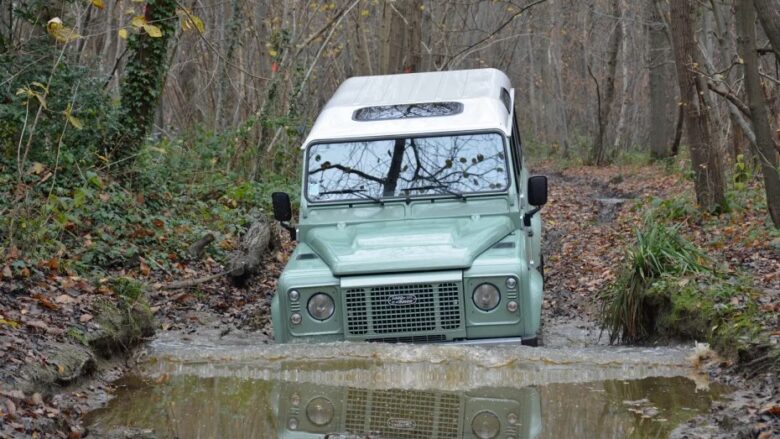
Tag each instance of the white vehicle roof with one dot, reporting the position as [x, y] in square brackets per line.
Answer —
[479, 90]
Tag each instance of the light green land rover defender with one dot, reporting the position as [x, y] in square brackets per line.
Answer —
[417, 217]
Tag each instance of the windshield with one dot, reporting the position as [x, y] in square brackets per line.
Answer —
[453, 165]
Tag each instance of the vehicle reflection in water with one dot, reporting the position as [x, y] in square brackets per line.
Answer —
[186, 406]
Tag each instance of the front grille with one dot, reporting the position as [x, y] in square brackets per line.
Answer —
[403, 414]
[394, 309]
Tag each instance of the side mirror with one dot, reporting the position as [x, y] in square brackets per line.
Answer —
[283, 211]
[537, 190]
[282, 206]
[537, 197]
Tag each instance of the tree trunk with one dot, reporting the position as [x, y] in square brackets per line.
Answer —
[598, 153]
[391, 43]
[413, 36]
[144, 78]
[255, 243]
[232, 31]
[401, 37]
[625, 57]
[759, 115]
[663, 99]
[769, 15]
[706, 163]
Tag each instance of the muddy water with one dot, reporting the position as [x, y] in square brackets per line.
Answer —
[205, 386]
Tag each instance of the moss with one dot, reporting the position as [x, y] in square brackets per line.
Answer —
[708, 307]
[670, 288]
[78, 335]
[123, 323]
[65, 364]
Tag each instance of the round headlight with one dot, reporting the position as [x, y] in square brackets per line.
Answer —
[486, 297]
[321, 306]
[485, 425]
[319, 411]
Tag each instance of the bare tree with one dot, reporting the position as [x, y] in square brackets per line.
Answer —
[705, 160]
[759, 115]
[663, 98]
[401, 36]
[607, 96]
[769, 15]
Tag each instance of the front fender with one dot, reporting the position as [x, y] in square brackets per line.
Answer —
[276, 320]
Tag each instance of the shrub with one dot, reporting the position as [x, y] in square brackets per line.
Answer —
[659, 250]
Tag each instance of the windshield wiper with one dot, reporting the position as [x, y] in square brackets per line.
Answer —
[359, 192]
[441, 187]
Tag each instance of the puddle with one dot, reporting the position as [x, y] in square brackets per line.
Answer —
[211, 387]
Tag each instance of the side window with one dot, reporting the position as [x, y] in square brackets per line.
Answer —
[517, 159]
[517, 144]
[506, 99]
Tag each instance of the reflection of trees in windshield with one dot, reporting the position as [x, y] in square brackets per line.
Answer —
[405, 111]
[419, 166]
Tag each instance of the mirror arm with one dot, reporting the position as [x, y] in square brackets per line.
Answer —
[290, 229]
[530, 214]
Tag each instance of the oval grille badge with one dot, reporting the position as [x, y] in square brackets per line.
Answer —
[401, 424]
[402, 300]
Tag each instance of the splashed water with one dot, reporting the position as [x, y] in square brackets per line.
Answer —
[202, 385]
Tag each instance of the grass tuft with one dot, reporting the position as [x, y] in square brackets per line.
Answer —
[659, 250]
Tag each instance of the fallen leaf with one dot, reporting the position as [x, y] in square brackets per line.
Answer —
[36, 399]
[85, 318]
[45, 302]
[10, 408]
[7, 273]
[64, 299]
[98, 4]
[53, 264]
[771, 409]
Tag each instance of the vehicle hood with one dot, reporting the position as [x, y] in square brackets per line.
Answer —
[408, 245]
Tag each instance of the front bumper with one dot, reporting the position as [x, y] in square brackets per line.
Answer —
[429, 307]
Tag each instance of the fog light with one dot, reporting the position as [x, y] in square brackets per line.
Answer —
[319, 411]
[511, 283]
[292, 424]
[511, 306]
[321, 306]
[295, 400]
[511, 418]
[295, 319]
[294, 295]
[485, 425]
[486, 297]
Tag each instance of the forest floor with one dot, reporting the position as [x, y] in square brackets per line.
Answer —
[62, 341]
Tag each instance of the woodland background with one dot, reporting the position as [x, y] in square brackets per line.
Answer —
[131, 130]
